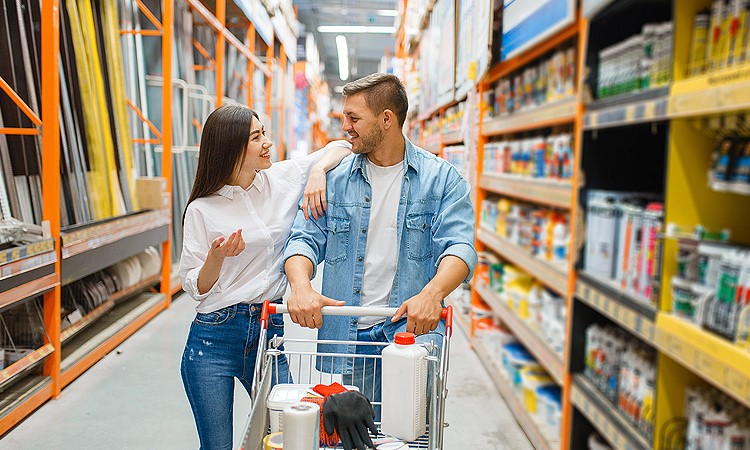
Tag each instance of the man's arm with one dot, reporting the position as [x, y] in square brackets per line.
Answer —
[304, 249]
[425, 307]
[304, 303]
[453, 233]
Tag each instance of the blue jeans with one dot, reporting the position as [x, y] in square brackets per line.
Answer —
[222, 346]
[367, 372]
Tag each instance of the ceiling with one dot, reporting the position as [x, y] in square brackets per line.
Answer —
[365, 50]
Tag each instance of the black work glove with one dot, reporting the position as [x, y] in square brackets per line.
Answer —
[351, 414]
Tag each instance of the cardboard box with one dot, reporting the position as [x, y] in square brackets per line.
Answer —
[152, 193]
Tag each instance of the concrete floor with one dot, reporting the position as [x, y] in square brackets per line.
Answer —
[134, 399]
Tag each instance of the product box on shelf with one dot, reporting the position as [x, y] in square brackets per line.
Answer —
[623, 241]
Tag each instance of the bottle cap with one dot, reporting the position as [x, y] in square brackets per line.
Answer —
[404, 338]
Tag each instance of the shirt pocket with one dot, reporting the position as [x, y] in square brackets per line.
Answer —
[419, 236]
[338, 239]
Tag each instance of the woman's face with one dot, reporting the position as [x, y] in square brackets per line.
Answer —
[258, 152]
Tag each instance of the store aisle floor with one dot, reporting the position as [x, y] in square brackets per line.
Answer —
[133, 399]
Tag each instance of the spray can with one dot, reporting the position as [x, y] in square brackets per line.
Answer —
[737, 31]
[698, 46]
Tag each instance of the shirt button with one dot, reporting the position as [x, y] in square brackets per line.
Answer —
[367, 199]
[360, 259]
[364, 230]
[356, 291]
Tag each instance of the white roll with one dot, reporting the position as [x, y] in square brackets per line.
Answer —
[302, 426]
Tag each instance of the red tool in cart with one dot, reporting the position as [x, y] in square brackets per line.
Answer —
[302, 355]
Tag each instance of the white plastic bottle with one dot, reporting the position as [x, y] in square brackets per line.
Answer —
[404, 390]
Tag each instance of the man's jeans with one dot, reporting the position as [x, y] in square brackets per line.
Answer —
[366, 374]
[222, 346]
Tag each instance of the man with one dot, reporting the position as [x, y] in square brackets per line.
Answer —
[398, 231]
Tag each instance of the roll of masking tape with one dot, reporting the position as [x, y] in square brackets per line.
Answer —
[274, 441]
[302, 426]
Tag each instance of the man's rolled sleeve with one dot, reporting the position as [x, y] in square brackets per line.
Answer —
[466, 253]
[453, 229]
[308, 239]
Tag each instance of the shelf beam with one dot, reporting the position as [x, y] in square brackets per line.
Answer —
[718, 361]
[551, 276]
[630, 313]
[50, 29]
[167, 20]
[28, 403]
[556, 113]
[30, 289]
[555, 193]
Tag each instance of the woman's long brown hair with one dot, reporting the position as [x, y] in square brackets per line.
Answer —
[222, 149]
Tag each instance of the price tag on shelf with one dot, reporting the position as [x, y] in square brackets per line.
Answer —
[472, 72]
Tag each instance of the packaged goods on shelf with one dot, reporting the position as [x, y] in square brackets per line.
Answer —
[622, 241]
[457, 155]
[721, 37]
[415, 133]
[541, 309]
[83, 296]
[550, 80]
[624, 371]
[715, 421]
[712, 287]
[548, 157]
[543, 231]
[536, 389]
[730, 165]
[453, 117]
[431, 134]
[638, 63]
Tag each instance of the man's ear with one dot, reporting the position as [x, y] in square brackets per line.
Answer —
[389, 119]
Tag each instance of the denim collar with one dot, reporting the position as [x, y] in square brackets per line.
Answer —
[410, 155]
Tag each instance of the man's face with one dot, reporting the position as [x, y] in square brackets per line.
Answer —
[364, 128]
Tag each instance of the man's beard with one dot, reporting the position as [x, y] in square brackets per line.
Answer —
[371, 141]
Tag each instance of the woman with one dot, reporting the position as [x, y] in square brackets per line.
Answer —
[236, 222]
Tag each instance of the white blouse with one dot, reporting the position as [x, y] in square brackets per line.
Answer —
[265, 212]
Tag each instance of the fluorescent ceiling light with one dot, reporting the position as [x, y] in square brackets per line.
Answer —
[388, 12]
[343, 51]
[355, 29]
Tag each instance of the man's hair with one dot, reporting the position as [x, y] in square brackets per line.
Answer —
[382, 91]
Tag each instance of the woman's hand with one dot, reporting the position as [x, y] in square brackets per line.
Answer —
[222, 247]
[314, 200]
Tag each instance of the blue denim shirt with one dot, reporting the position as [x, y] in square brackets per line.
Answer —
[435, 219]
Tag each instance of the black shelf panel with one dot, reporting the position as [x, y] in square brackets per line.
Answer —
[22, 278]
[82, 264]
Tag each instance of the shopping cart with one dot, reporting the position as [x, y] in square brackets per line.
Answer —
[302, 355]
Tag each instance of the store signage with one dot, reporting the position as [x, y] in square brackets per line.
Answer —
[528, 22]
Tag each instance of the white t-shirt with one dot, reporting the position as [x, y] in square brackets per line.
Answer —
[381, 253]
[265, 211]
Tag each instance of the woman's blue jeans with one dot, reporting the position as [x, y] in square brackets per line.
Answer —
[222, 346]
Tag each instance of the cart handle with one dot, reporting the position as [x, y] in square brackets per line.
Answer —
[356, 311]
